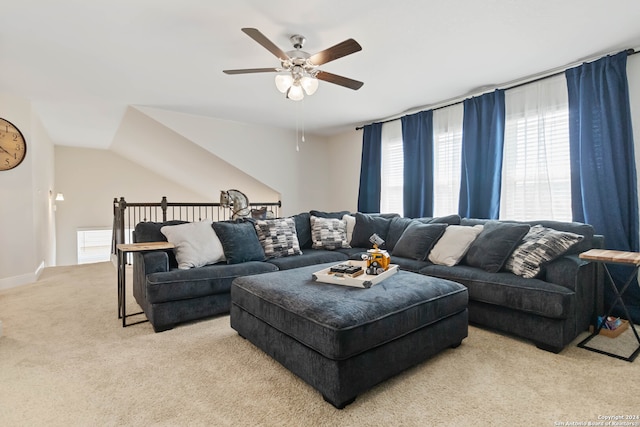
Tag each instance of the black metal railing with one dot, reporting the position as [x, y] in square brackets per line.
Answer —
[126, 215]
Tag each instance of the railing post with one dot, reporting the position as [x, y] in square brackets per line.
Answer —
[118, 223]
[163, 206]
[122, 206]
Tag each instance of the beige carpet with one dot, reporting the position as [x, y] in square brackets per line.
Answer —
[66, 360]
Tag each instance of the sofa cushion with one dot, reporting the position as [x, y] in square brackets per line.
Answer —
[510, 291]
[453, 244]
[350, 222]
[453, 219]
[303, 229]
[494, 245]
[196, 244]
[308, 257]
[149, 231]
[278, 237]
[240, 241]
[541, 245]
[418, 239]
[198, 282]
[396, 228]
[409, 264]
[328, 233]
[366, 226]
[323, 214]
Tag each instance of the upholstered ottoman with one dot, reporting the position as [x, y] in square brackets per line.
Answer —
[343, 340]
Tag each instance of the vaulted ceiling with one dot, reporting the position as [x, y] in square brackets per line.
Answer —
[81, 63]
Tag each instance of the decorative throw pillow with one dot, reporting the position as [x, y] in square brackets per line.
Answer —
[396, 228]
[196, 244]
[453, 244]
[239, 241]
[418, 239]
[278, 237]
[366, 226]
[539, 246]
[303, 229]
[328, 233]
[350, 221]
[495, 244]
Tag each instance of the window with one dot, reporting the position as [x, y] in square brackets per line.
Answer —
[94, 245]
[536, 173]
[447, 146]
[391, 200]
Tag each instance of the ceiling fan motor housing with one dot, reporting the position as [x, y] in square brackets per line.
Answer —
[297, 41]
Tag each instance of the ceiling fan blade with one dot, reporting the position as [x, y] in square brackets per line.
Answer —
[251, 70]
[339, 80]
[345, 48]
[265, 42]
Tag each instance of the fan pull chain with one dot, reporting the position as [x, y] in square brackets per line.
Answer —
[297, 125]
[303, 120]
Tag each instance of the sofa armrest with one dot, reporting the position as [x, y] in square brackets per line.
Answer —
[564, 271]
[145, 263]
[154, 261]
[583, 278]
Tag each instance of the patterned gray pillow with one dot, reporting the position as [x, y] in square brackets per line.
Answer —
[278, 237]
[328, 233]
[539, 246]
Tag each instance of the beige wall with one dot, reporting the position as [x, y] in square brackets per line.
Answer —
[345, 178]
[90, 179]
[26, 232]
[267, 154]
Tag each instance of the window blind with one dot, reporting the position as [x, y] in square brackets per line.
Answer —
[536, 175]
[391, 199]
[447, 146]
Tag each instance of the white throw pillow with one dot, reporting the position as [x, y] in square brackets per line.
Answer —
[453, 244]
[197, 244]
[350, 220]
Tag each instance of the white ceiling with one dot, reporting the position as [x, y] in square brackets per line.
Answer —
[81, 63]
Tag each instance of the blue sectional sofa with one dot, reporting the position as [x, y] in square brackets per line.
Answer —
[550, 309]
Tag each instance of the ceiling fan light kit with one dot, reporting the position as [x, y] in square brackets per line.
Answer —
[299, 73]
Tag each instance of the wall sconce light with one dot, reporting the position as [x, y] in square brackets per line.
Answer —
[59, 197]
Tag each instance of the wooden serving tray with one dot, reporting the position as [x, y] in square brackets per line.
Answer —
[362, 281]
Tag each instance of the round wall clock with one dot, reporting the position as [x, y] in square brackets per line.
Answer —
[13, 147]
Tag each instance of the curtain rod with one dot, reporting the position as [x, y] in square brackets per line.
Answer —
[509, 85]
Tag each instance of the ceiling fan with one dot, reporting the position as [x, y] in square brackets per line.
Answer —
[298, 70]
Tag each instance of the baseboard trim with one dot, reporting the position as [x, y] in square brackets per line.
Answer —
[23, 279]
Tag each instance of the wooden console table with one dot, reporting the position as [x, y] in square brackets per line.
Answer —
[123, 249]
[605, 256]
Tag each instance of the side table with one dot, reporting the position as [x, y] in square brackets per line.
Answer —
[605, 256]
[122, 250]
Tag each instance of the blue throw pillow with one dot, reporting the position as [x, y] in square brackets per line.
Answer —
[495, 244]
[323, 214]
[239, 241]
[418, 239]
[303, 229]
[366, 225]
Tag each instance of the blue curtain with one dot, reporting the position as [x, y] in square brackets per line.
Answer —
[482, 145]
[417, 145]
[370, 169]
[603, 172]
